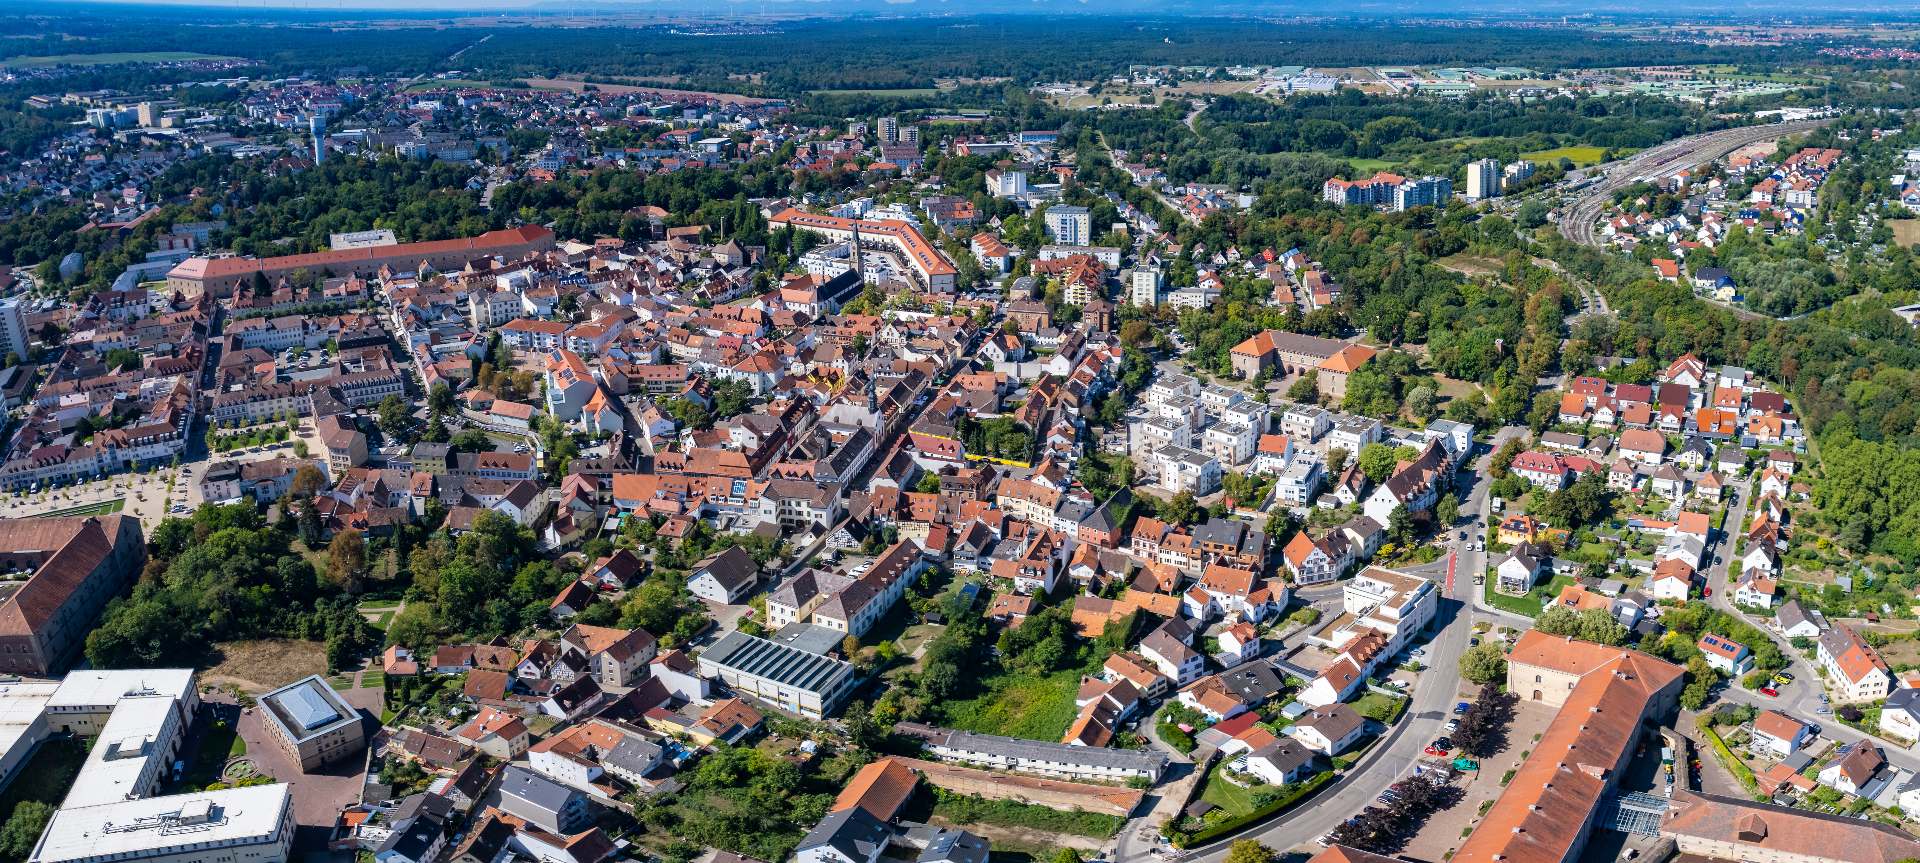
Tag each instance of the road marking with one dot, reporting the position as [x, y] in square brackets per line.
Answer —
[1453, 558]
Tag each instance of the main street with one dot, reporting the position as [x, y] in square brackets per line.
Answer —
[1396, 753]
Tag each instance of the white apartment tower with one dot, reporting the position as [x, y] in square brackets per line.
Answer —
[1483, 179]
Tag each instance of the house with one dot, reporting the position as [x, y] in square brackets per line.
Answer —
[850, 835]
[1756, 590]
[1725, 654]
[1171, 655]
[881, 788]
[1277, 763]
[1314, 561]
[543, 802]
[1900, 715]
[1672, 580]
[1644, 446]
[1855, 671]
[1793, 622]
[1854, 768]
[1329, 730]
[500, 735]
[1211, 698]
[1778, 734]
[724, 577]
[679, 676]
[1520, 570]
[1238, 643]
[612, 656]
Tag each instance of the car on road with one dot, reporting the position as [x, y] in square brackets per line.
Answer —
[1769, 692]
[1823, 710]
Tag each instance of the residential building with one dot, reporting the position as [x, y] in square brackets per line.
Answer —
[1855, 671]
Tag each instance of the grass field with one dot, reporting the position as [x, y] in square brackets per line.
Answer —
[265, 664]
[1530, 604]
[1225, 793]
[110, 59]
[1035, 708]
[1581, 156]
[1369, 166]
[105, 507]
[1906, 232]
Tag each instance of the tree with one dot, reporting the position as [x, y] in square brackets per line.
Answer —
[1306, 388]
[1337, 460]
[1400, 525]
[1484, 663]
[1447, 510]
[1250, 851]
[308, 481]
[1420, 401]
[440, 399]
[1180, 509]
[23, 828]
[394, 418]
[1377, 461]
[347, 560]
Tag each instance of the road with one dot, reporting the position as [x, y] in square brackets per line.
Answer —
[1801, 698]
[1579, 221]
[1395, 754]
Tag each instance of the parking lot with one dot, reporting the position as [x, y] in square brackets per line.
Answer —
[1444, 831]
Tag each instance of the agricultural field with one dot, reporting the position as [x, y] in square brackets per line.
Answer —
[1580, 156]
[1906, 232]
[110, 59]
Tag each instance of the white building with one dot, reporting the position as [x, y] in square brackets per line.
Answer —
[1483, 179]
[1070, 226]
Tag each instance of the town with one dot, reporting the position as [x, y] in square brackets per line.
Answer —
[454, 460]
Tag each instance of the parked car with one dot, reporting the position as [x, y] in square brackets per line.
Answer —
[1461, 707]
[1434, 750]
[1769, 692]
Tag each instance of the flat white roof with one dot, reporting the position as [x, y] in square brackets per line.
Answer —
[101, 689]
[120, 758]
[158, 825]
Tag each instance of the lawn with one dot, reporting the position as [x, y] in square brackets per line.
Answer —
[1220, 791]
[1581, 156]
[1531, 603]
[110, 58]
[220, 743]
[48, 775]
[1369, 166]
[1034, 708]
[105, 507]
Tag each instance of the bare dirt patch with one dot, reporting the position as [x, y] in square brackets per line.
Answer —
[1472, 265]
[267, 664]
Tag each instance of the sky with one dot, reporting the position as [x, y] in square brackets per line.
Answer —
[1361, 8]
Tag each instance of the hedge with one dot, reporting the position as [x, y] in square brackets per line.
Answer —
[1740, 769]
[1293, 795]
